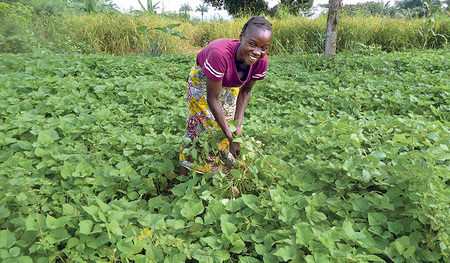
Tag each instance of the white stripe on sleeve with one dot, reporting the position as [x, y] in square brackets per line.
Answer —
[212, 70]
[262, 75]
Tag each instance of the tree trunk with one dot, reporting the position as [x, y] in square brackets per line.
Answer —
[332, 26]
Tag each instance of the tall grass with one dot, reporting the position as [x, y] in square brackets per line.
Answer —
[116, 33]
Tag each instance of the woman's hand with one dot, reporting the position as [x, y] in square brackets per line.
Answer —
[235, 149]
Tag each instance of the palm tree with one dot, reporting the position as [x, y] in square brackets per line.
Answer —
[202, 9]
[185, 8]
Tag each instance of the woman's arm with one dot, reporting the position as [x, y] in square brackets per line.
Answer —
[242, 103]
[213, 89]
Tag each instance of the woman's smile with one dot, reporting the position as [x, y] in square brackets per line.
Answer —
[254, 46]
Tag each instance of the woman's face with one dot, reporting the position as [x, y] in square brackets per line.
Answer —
[254, 45]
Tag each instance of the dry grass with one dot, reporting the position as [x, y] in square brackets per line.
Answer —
[116, 34]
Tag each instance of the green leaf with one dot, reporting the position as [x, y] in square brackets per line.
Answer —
[154, 221]
[286, 252]
[115, 228]
[379, 155]
[31, 223]
[350, 232]
[370, 258]
[191, 209]
[248, 259]
[429, 256]
[355, 140]
[179, 224]
[72, 242]
[316, 216]
[68, 210]
[360, 204]
[7, 239]
[59, 234]
[14, 252]
[92, 210]
[25, 259]
[67, 169]
[234, 205]
[4, 212]
[409, 252]
[168, 29]
[319, 257]
[399, 138]
[228, 228]
[53, 223]
[395, 227]
[84, 169]
[376, 219]
[288, 214]
[261, 249]
[124, 245]
[46, 137]
[175, 258]
[179, 189]
[212, 241]
[26, 145]
[86, 227]
[304, 235]
[220, 255]
[238, 246]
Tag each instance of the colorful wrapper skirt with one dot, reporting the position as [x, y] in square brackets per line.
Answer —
[200, 120]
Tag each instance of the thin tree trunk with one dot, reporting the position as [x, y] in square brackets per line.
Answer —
[332, 26]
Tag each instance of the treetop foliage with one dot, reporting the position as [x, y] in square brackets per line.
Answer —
[256, 7]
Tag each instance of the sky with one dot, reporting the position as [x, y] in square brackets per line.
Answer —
[174, 6]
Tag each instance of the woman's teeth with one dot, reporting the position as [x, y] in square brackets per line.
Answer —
[253, 58]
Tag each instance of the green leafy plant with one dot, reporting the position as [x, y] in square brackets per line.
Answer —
[344, 161]
[159, 43]
[151, 8]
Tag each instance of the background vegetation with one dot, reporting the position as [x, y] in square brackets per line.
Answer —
[102, 29]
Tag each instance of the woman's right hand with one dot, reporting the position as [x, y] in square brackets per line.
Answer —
[235, 149]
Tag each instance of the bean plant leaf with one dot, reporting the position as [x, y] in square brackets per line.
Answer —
[4, 212]
[286, 252]
[304, 235]
[360, 204]
[376, 219]
[247, 259]
[86, 227]
[7, 239]
[192, 208]
[228, 228]
[53, 223]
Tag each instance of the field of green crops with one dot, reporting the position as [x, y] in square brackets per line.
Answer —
[347, 160]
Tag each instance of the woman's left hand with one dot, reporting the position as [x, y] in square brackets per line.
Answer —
[235, 149]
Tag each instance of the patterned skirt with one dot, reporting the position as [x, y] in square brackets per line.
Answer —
[200, 122]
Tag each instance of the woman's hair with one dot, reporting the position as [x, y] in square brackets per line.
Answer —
[258, 22]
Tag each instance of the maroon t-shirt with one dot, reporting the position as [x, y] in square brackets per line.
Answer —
[217, 61]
